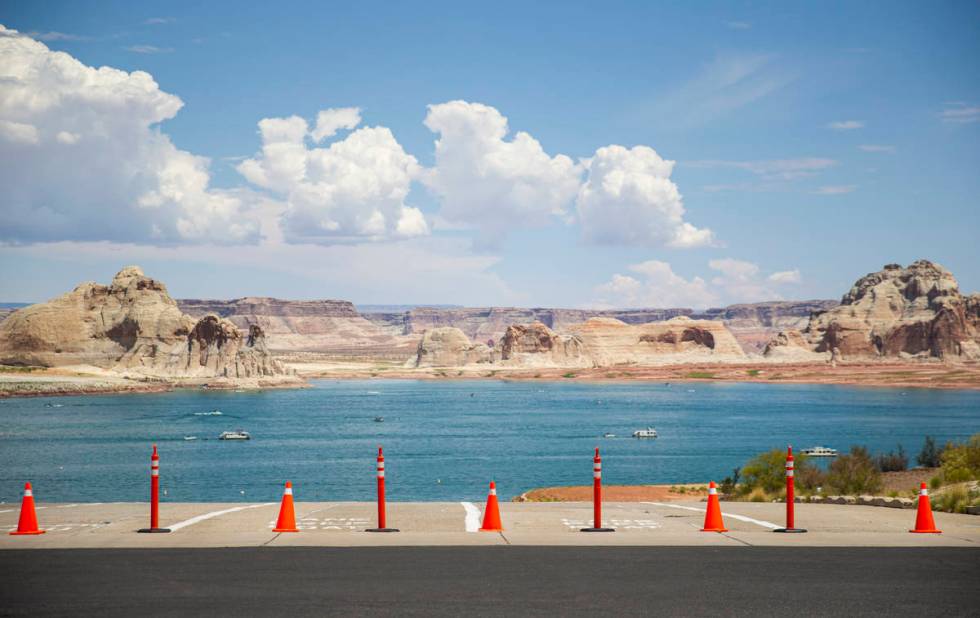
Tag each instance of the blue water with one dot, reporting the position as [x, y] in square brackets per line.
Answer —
[443, 440]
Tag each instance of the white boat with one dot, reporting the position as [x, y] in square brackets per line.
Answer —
[608, 435]
[820, 451]
[379, 419]
[189, 438]
[649, 432]
[234, 435]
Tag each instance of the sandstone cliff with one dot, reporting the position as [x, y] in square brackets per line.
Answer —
[133, 326]
[598, 342]
[329, 326]
[448, 347]
[917, 311]
[678, 340]
[752, 324]
[537, 345]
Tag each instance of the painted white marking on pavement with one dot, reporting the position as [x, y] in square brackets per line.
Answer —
[200, 518]
[472, 517]
[8, 511]
[67, 506]
[758, 522]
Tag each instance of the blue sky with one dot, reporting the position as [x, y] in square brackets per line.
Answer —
[813, 143]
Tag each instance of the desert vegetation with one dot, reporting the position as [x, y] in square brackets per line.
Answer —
[956, 468]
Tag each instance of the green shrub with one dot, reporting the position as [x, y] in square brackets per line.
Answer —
[892, 461]
[961, 462]
[730, 483]
[569, 375]
[701, 375]
[929, 456]
[753, 372]
[768, 472]
[953, 500]
[854, 473]
[935, 483]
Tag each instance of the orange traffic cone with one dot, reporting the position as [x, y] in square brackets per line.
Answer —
[923, 517]
[287, 515]
[712, 518]
[491, 516]
[28, 518]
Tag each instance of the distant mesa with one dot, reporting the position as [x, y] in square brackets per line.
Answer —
[916, 312]
[132, 326]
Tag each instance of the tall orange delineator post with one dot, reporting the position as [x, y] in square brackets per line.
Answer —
[382, 520]
[597, 496]
[27, 524]
[154, 494]
[790, 496]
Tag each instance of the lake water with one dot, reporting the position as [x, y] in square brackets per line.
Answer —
[443, 440]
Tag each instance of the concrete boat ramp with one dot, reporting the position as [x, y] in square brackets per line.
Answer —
[342, 524]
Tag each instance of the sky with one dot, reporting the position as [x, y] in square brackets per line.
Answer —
[615, 154]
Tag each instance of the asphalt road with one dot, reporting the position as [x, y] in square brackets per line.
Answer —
[513, 581]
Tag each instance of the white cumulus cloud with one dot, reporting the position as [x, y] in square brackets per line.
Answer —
[351, 190]
[655, 284]
[329, 121]
[84, 158]
[786, 276]
[489, 182]
[629, 198]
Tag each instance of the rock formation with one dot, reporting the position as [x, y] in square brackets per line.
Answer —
[448, 347]
[598, 342]
[751, 324]
[132, 325]
[537, 345]
[916, 311]
[329, 326]
[678, 340]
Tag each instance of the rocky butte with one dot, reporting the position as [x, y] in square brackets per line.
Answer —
[916, 312]
[132, 326]
[597, 342]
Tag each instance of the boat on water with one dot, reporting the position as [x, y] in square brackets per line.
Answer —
[608, 435]
[235, 435]
[649, 432]
[820, 451]
[379, 419]
[189, 438]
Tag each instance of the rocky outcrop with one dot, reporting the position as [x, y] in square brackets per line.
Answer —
[448, 347]
[132, 326]
[598, 342]
[754, 324]
[912, 312]
[751, 324]
[537, 345]
[678, 340]
[328, 326]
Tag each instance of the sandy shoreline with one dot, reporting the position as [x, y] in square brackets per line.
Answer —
[934, 375]
[874, 374]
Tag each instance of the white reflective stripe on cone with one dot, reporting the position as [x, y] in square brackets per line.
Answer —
[154, 472]
[28, 493]
[923, 492]
[789, 472]
[712, 491]
[597, 475]
[493, 492]
[288, 492]
[381, 474]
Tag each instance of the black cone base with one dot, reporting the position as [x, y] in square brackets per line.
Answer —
[598, 530]
[154, 530]
[790, 530]
[381, 530]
